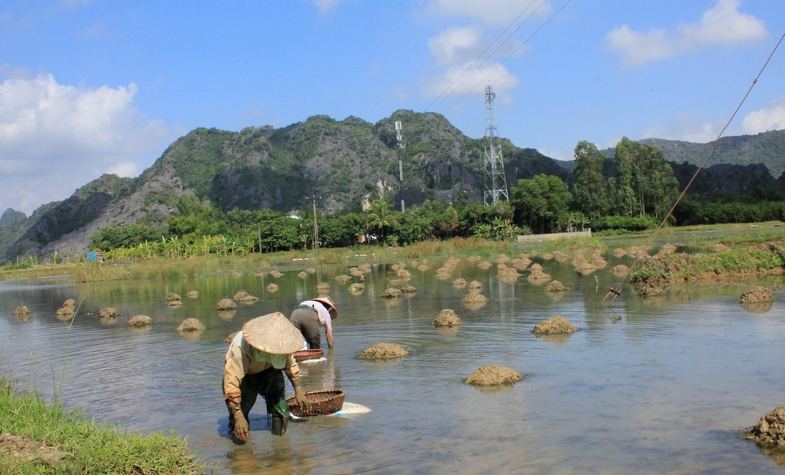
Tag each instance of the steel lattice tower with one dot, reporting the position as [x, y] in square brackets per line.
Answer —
[495, 179]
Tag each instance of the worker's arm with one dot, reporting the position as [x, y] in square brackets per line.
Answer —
[235, 368]
[292, 371]
[329, 333]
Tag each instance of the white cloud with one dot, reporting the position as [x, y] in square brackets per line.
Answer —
[54, 138]
[471, 78]
[768, 118]
[455, 44]
[492, 12]
[721, 24]
[325, 6]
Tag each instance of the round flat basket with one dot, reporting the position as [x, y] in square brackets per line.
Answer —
[303, 355]
[322, 403]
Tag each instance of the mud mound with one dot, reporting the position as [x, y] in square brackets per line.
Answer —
[21, 311]
[302, 274]
[666, 249]
[770, 429]
[719, 247]
[756, 295]
[244, 297]
[21, 448]
[172, 298]
[383, 351]
[619, 252]
[555, 286]
[192, 294]
[620, 270]
[140, 321]
[473, 259]
[491, 375]
[521, 263]
[547, 256]
[226, 304]
[226, 315]
[69, 303]
[502, 259]
[560, 256]
[423, 268]
[391, 293]
[538, 278]
[275, 274]
[343, 279]
[356, 288]
[64, 313]
[555, 325]
[447, 318]
[484, 265]
[108, 312]
[190, 325]
[272, 288]
[474, 285]
[459, 283]
[474, 298]
[409, 289]
[323, 287]
[310, 270]
[638, 252]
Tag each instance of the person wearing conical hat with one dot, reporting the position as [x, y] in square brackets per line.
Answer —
[255, 362]
[309, 315]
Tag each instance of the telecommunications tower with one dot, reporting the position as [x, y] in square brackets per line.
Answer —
[495, 179]
[401, 146]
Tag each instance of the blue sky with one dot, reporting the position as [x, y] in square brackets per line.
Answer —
[94, 86]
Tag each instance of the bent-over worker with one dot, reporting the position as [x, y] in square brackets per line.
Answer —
[309, 315]
[255, 362]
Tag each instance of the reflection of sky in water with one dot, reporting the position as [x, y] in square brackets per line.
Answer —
[664, 387]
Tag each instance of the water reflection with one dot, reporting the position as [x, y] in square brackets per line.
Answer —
[659, 385]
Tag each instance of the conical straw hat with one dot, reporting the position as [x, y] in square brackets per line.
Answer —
[329, 304]
[273, 333]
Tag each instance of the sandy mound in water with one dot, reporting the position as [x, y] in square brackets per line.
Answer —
[69, 303]
[302, 274]
[172, 297]
[474, 285]
[447, 318]
[383, 351]
[244, 297]
[190, 325]
[490, 375]
[21, 311]
[272, 288]
[474, 298]
[459, 283]
[310, 270]
[666, 249]
[502, 259]
[18, 447]
[560, 256]
[409, 289]
[226, 315]
[484, 265]
[619, 252]
[620, 270]
[275, 274]
[140, 321]
[521, 263]
[719, 247]
[323, 287]
[770, 429]
[192, 294]
[226, 304]
[555, 325]
[391, 293]
[756, 295]
[64, 313]
[555, 286]
[547, 256]
[108, 312]
[342, 279]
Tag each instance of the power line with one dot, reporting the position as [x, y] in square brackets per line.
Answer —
[614, 292]
[445, 92]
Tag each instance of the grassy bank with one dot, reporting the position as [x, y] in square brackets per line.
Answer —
[47, 438]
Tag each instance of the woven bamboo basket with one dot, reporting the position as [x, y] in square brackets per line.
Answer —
[322, 403]
[303, 355]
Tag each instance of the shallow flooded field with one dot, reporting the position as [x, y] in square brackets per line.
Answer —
[658, 386]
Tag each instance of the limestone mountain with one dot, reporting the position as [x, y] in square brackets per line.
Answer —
[343, 162]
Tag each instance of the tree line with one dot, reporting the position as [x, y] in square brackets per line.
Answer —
[634, 191]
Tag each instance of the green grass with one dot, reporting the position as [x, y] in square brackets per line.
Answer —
[93, 448]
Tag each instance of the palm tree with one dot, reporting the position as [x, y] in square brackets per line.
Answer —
[380, 216]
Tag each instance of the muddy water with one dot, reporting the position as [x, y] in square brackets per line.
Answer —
[659, 386]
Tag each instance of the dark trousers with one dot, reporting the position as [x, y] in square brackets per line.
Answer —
[307, 321]
[270, 384]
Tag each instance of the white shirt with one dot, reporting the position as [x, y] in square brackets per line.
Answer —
[324, 315]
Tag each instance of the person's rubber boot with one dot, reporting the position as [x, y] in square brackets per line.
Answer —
[279, 424]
